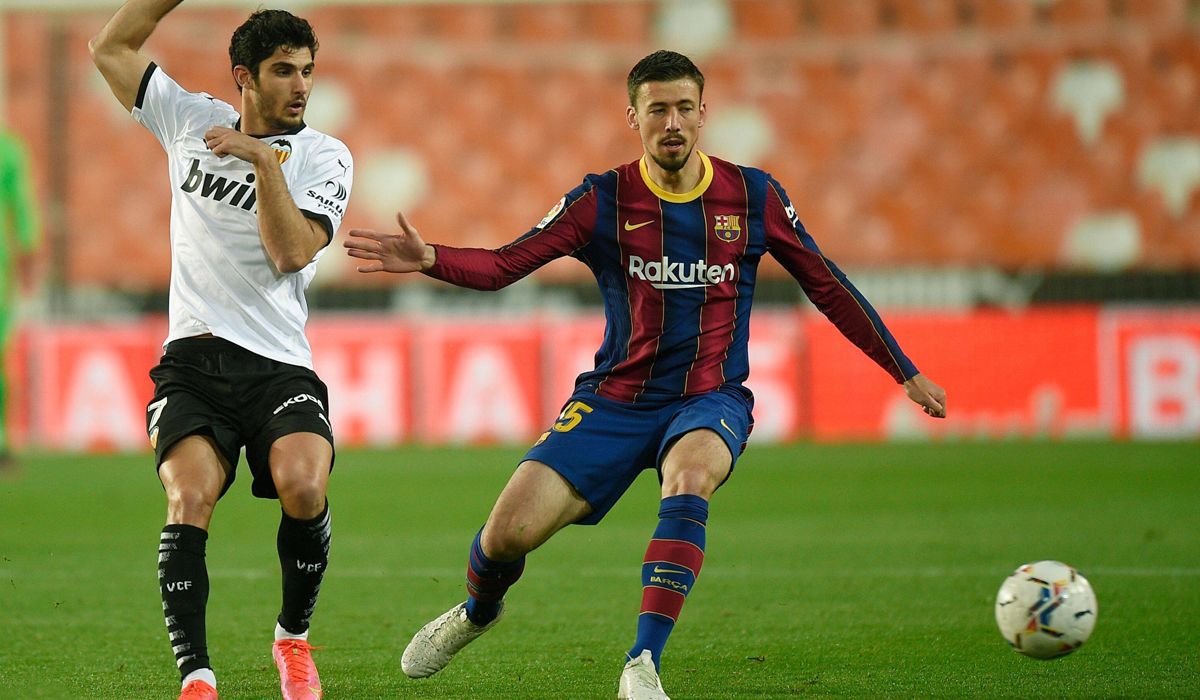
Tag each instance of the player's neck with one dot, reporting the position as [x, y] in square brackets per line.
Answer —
[257, 127]
[253, 124]
[679, 181]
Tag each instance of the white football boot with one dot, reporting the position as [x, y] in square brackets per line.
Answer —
[436, 643]
[639, 680]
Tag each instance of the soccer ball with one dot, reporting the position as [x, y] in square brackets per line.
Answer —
[1046, 609]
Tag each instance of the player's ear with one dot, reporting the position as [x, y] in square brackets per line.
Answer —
[631, 117]
[703, 113]
[241, 76]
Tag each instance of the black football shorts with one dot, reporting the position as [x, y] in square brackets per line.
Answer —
[209, 386]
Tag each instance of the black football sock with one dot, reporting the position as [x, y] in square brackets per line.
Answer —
[303, 555]
[183, 582]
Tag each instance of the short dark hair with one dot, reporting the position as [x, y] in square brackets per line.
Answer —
[265, 31]
[662, 66]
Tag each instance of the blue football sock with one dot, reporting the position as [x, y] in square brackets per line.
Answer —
[672, 562]
[487, 582]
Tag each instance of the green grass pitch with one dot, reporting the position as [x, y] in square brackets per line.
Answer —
[856, 570]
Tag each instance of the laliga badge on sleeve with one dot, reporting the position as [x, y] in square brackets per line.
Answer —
[554, 211]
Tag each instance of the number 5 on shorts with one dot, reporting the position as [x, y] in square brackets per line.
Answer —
[570, 416]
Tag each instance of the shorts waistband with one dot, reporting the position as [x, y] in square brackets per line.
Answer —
[204, 343]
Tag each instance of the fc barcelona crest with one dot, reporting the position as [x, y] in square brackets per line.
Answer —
[282, 148]
[727, 227]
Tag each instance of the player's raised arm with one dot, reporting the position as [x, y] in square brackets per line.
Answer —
[403, 251]
[116, 50]
[565, 230]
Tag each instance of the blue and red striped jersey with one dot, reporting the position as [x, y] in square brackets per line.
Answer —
[677, 274]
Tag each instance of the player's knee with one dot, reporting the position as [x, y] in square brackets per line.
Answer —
[189, 506]
[302, 495]
[502, 542]
[696, 479]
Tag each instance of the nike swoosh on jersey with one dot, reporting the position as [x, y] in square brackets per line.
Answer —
[634, 227]
[726, 426]
[660, 570]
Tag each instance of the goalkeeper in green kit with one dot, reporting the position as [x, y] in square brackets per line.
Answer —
[18, 238]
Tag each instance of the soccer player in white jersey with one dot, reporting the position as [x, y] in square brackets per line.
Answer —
[256, 197]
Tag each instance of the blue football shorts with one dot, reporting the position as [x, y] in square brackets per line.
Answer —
[600, 446]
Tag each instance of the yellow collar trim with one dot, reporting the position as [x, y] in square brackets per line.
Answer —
[698, 190]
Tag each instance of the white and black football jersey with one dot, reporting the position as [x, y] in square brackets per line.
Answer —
[222, 280]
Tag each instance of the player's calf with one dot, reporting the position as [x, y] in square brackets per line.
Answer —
[669, 570]
[487, 582]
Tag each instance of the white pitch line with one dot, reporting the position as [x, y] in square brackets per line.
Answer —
[756, 573]
[20, 580]
[623, 572]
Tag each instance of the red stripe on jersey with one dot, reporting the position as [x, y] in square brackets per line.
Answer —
[724, 201]
[639, 233]
[662, 601]
[676, 552]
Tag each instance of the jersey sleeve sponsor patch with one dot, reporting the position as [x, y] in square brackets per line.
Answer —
[554, 211]
[323, 188]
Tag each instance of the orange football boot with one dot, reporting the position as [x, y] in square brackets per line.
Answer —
[298, 679]
[198, 690]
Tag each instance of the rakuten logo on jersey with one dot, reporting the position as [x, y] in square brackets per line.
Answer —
[665, 274]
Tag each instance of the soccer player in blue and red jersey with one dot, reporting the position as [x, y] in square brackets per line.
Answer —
[674, 239]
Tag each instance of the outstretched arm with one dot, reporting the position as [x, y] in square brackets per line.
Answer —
[565, 231]
[116, 50]
[403, 251]
[833, 294]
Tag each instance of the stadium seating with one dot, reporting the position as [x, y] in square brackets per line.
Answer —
[922, 132]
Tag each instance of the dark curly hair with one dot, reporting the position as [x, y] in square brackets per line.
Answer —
[662, 66]
[265, 31]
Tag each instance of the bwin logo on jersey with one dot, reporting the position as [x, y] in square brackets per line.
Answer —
[676, 275]
[221, 189]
